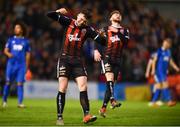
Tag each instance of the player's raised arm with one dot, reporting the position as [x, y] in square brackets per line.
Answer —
[60, 16]
[173, 65]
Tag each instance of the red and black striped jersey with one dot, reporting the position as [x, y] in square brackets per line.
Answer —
[74, 36]
[116, 39]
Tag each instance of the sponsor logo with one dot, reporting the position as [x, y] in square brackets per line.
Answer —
[166, 58]
[73, 37]
[17, 47]
[115, 38]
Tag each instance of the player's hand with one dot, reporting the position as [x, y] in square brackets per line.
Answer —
[28, 75]
[147, 75]
[101, 32]
[62, 11]
[178, 70]
[10, 55]
[97, 55]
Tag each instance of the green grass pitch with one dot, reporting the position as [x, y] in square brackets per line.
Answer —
[43, 112]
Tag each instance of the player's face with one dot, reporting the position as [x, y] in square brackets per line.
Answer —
[167, 44]
[18, 30]
[116, 17]
[81, 19]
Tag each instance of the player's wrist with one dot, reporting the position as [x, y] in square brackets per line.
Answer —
[10, 55]
[62, 11]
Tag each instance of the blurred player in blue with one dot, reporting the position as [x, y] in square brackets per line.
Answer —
[160, 66]
[148, 76]
[17, 50]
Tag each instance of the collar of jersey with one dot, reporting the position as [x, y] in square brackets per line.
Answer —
[18, 37]
[116, 26]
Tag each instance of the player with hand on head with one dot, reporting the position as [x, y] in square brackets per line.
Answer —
[160, 66]
[17, 50]
[70, 61]
[116, 38]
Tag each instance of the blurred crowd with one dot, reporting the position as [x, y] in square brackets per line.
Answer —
[147, 30]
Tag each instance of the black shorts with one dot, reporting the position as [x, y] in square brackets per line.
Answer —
[70, 66]
[109, 65]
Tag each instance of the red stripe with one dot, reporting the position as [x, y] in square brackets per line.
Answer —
[79, 45]
[120, 48]
[66, 43]
[109, 42]
[114, 49]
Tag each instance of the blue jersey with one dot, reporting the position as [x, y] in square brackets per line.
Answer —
[163, 58]
[18, 47]
[16, 66]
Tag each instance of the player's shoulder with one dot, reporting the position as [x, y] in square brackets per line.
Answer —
[124, 30]
[26, 40]
[169, 51]
[159, 50]
[11, 38]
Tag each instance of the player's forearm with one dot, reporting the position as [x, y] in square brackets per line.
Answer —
[28, 59]
[7, 53]
[100, 40]
[53, 15]
[174, 66]
[153, 67]
[147, 69]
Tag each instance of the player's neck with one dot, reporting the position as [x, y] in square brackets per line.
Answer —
[116, 24]
[18, 36]
[163, 48]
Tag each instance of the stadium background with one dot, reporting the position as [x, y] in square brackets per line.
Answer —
[148, 20]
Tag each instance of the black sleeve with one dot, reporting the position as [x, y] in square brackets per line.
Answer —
[62, 19]
[95, 36]
[126, 37]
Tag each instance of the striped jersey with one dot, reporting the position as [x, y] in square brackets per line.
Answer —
[74, 36]
[115, 38]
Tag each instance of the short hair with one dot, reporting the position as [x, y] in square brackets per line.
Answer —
[169, 40]
[22, 25]
[113, 12]
[86, 13]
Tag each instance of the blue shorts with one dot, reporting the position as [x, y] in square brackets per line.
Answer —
[159, 78]
[15, 73]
